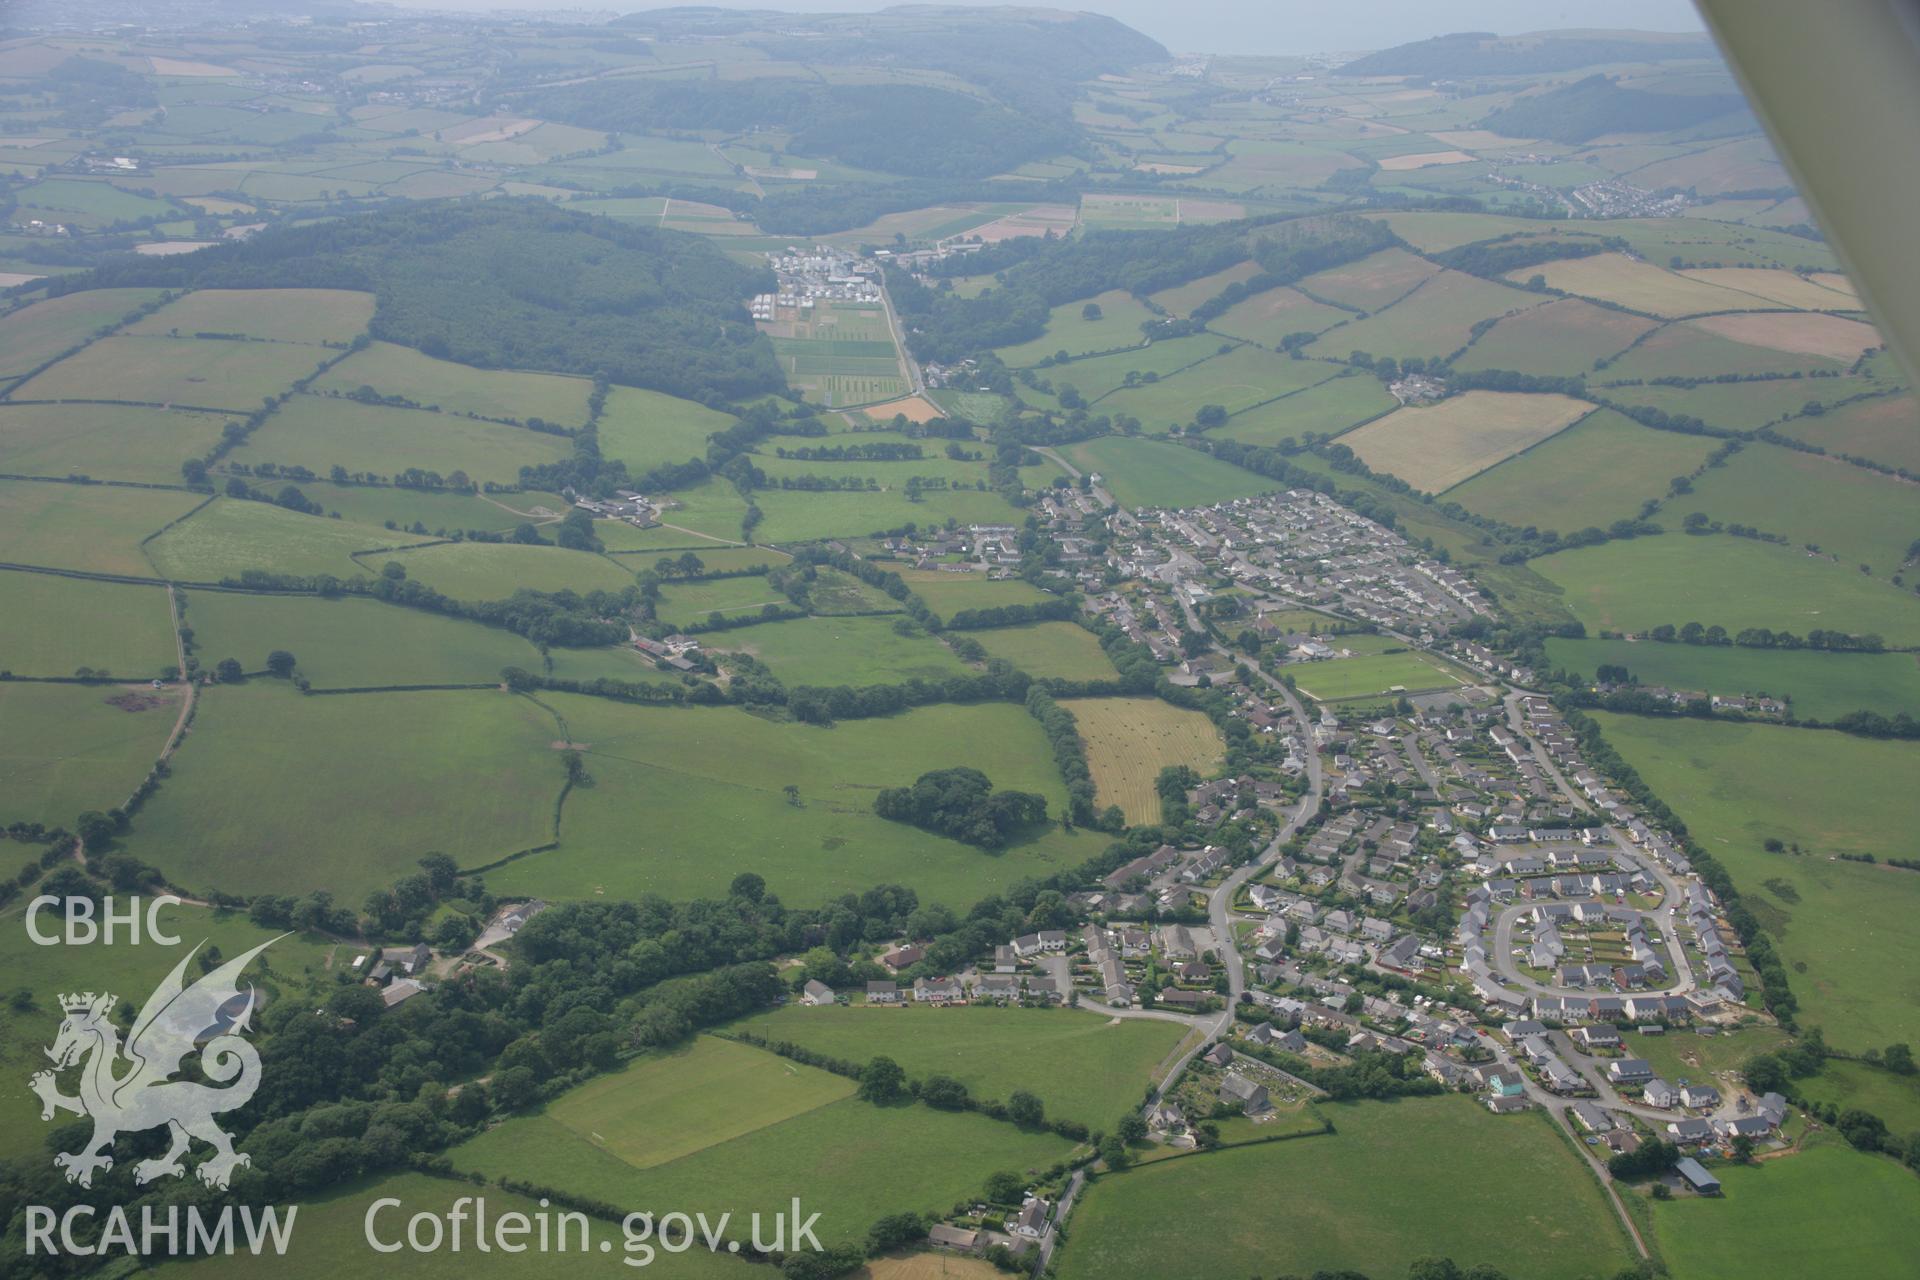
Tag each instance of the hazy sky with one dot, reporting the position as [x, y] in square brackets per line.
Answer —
[1265, 26]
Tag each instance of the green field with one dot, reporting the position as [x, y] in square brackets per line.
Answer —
[1881, 428]
[1097, 376]
[230, 536]
[1683, 1055]
[208, 373]
[40, 331]
[1564, 337]
[1237, 381]
[1823, 686]
[439, 511]
[1434, 320]
[1268, 317]
[1372, 283]
[1370, 674]
[55, 624]
[1847, 923]
[458, 388]
[1500, 1191]
[685, 602]
[349, 643]
[331, 316]
[1081, 1065]
[850, 651]
[320, 432]
[1183, 298]
[1858, 515]
[1597, 471]
[104, 441]
[1154, 473]
[949, 593]
[647, 824]
[712, 507]
[470, 774]
[646, 429]
[495, 570]
[1118, 325]
[1828, 1211]
[1327, 408]
[1739, 406]
[794, 515]
[1731, 582]
[84, 527]
[1894, 1098]
[71, 747]
[1062, 650]
[847, 1160]
[704, 1092]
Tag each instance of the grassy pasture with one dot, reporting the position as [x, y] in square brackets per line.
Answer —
[1097, 376]
[851, 651]
[1369, 675]
[1118, 325]
[1822, 686]
[69, 748]
[1081, 1065]
[1894, 1098]
[1847, 923]
[320, 316]
[1743, 406]
[1681, 1055]
[705, 1092]
[352, 643]
[88, 202]
[1732, 582]
[42, 330]
[949, 593]
[1183, 298]
[1239, 380]
[1328, 407]
[647, 824]
[204, 373]
[835, 592]
[1828, 1210]
[1372, 282]
[1130, 740]
[317, 432]
[1154, 473]
[436, 511]
[1884, 428]
[1562, 337]
[1050, 649]
[683, 602]
[846, 1158]
[471, 774]
[1528, 1208]
[495, 570]
[795, 515]
[1858, 515]
[84, 527]
[712, 507]
[1434, 447]
[458, 388]
[1268, 317]
[104, 441]
[1689, 349]
[1597, 471]
[55, 624]
[1639, 286]
[229, 536]
[645, 429]
[1433, 320]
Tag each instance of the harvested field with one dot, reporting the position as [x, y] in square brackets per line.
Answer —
[1831, 337]
[1639, 286]
[1130, 740]
[1425, 159]
[1825, 291]
[1434, 447]
[915, 408]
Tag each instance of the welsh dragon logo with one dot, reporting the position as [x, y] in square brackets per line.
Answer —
[126, 1090]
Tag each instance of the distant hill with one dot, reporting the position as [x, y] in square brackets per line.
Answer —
[511, 284]
[1596, 106]
[1481, 53]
